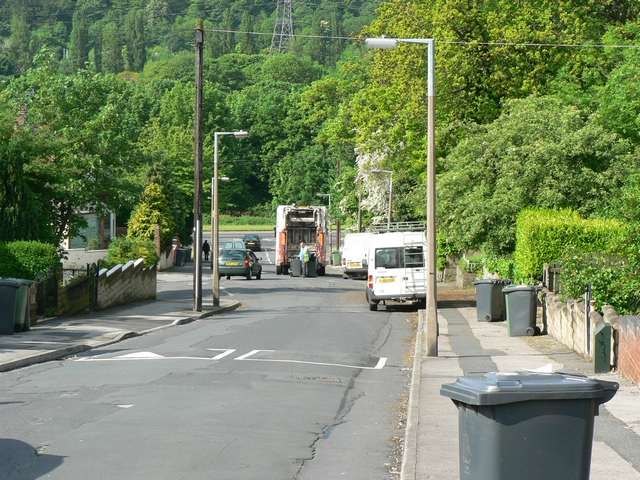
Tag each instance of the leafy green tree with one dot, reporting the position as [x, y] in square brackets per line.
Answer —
[246, 39]
[153, 210]
[18, 217]
[79, 45]
[112, 61]
[541, 153]
[136, 49]
[85, 133]
[20, 40]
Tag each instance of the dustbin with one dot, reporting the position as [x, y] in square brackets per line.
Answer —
[336, 258]
[22, 317]
[522, 308]
[312, 267]
[490, 305]
[8, 303]
[526, 426]
[181, 255]
[296, 267]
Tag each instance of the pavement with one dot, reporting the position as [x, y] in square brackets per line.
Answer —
[431, 441]
[467, 345]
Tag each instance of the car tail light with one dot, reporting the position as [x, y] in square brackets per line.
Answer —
[371, 281]
[246, 263]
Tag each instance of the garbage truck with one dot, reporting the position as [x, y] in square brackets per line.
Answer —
[296, 224]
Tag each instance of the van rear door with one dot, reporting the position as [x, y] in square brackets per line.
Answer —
[414, 277]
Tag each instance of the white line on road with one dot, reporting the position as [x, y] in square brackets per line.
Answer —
[225, 352]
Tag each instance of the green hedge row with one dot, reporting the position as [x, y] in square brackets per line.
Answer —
[24, 259]
[544, 236]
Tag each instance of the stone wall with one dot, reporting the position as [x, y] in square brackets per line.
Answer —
[566, 323]
[125, 284]
[629, 348]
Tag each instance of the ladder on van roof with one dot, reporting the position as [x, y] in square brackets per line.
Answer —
[399, 227]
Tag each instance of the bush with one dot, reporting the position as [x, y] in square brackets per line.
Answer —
[125, 249]
[153, 210]
[23, 259]
[543, 236]
[503, 266]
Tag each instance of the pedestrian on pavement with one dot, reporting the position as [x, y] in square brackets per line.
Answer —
[305, 256]
[206, 248]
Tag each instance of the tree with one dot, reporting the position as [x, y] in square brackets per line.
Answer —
[540, 152]
[153, 210]
[79, 44]
[112, 61]
[20, 40]
[18, 217]
[136, 49]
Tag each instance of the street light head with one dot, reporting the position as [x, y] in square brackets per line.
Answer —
[224, 179]
[385, 43]
[241, 134]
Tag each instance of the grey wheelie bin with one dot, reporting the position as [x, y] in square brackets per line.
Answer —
[296, 267]
[312, 270]
[8, 303]
[526, 426]
[22, 318]
[522, 308]
[490, 305]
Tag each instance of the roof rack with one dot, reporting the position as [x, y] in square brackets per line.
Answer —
[398, 227]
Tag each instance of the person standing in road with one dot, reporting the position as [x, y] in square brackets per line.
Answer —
[305, 255]
[206, 248]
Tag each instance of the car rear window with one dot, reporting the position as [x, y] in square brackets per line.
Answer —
[232, 255]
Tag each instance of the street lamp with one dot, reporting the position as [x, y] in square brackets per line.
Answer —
[214, 215]
[390, 172]
[221, 179]
[330, 230]
[432, 294]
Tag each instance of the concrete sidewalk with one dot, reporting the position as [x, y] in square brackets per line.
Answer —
[466, 345]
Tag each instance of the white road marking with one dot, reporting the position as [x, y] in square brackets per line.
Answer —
[225, 352]
[124, 406]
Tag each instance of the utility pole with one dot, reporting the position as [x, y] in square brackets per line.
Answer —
[197, 176]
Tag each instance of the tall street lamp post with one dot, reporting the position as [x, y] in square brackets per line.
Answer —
[215, 239]
[330, 230]
[389, 213]
[432, 299]
[221, 179]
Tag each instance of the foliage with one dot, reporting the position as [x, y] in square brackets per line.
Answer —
[614, 280]
[125, 249]
[246, 220]
[26, 259]
[503, 266]
[543, 236]
[153, 210]
[539, 153]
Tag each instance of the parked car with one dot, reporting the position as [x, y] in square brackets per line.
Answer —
[234, 244]
[252, 242]
[243, 263]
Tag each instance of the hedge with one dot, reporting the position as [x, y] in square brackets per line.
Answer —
[543, 236]
[26, 259]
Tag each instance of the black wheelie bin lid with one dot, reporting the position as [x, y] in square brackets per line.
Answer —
[497, 388]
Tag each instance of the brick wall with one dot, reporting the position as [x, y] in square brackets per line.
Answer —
[125, 284]
[629, 348]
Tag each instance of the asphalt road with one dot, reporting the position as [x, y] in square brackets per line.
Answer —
[302, 382]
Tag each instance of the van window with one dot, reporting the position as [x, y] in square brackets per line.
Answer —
[413, 257]
[387, 258]
[398, 257]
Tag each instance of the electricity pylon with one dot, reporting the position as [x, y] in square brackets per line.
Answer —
[283, 27]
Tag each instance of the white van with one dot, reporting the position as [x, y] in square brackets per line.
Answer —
[355, 252]
[397, 268]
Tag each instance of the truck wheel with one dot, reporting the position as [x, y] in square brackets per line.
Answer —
[278, 269]
[285, 269]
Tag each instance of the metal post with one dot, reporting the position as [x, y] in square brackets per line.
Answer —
[432, 293]
[197, 183]
[215, 240]
[390, 201]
